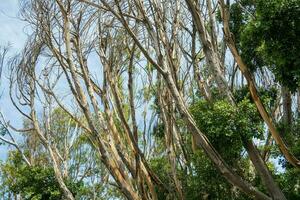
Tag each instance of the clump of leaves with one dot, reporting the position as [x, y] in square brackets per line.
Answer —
[267, 95]
[291, 136]
[290, 184]
[270, 38]
[224, 124]
[34, 182]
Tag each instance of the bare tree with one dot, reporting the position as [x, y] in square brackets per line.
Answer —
[93, 59]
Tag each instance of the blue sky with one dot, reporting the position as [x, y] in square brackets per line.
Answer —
[12, 31]
[12, 28]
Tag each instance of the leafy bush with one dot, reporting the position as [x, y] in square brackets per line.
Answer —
[34, 182]
[224, 124]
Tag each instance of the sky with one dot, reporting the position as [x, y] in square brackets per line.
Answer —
[12, 32]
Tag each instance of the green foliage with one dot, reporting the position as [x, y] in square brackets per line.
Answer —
[162, 168]
[224, 124]
[158, 131]
[206, 181]
[291, 135]
[200, 180]
[270, 37]
[34, 182]
[61, 123]
[239, 18]
[290, 183]
[267, 95]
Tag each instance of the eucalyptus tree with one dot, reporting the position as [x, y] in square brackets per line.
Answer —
[123, 71]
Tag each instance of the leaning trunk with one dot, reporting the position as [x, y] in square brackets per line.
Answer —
[263, 171]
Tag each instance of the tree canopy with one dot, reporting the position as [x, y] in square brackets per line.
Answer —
[154, 100]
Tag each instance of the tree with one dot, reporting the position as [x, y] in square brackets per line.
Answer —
[144, 97]
[275, 27]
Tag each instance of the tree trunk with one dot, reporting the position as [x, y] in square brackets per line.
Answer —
[203, 142]
[263, 171]
[287, 106]
[252, 88]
